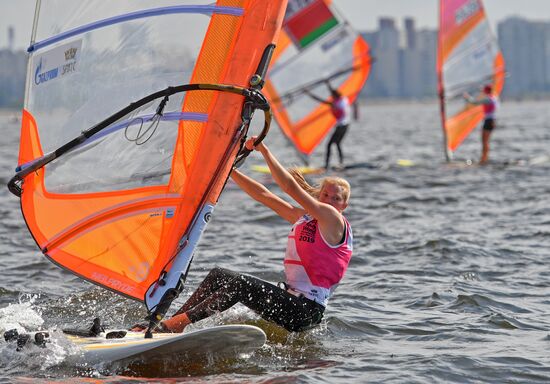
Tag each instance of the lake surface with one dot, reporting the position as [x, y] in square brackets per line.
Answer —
[449, 280]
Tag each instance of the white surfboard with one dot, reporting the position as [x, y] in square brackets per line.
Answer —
[221, 340]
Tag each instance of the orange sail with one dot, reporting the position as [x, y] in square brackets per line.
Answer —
[317, 45]
[120, 193]
[468, 59]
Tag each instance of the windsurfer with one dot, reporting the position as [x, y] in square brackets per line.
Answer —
[490, 104]
[318, 253]
[341, 110]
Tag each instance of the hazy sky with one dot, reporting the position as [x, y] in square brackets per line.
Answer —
[363, 14]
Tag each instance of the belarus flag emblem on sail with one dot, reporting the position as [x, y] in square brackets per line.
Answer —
[306, 21]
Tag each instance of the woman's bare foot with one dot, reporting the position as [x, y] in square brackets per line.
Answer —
[177, 323]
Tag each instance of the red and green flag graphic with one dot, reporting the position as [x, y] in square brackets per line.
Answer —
[310, 23]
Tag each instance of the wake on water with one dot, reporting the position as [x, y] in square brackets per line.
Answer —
[23, 317]
[61, 357]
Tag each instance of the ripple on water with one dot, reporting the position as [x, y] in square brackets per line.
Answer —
[478, 302]
[344, 328]
[434, 300]
[508, 322]
[448, 283]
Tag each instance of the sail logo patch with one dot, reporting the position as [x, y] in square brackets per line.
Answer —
[139, 271]
[43, 76]
[308, 20]
[112, 283]
[57, 63]
[466, 11]
[334, 40]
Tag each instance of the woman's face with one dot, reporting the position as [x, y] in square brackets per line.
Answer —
[334, 195]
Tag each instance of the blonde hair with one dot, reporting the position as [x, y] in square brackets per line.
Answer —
[333, 180]
[316, 190]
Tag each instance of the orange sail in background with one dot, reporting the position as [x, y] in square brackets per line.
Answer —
[317, 45]
[468, 59]
[120, 196]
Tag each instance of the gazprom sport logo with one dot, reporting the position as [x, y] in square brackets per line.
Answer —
[57, 63]
[41, 77]
[466, 11]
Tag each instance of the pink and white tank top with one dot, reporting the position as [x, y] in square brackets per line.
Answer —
[313, 267]
[341, 110]
[490, 107]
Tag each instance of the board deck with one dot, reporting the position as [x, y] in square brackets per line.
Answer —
[220, 340]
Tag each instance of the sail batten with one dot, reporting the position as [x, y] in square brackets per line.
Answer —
[196, 9]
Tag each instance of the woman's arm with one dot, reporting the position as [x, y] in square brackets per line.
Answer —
[262, 195]
[468, 98]
[472, 100]
[331, 222]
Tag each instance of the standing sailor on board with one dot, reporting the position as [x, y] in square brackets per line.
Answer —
[490, 104]
[341, 110]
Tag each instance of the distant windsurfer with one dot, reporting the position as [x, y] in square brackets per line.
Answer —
[318, 253]
[490, 104]
[341, 110]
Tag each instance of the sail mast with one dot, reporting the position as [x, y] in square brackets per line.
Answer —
[441, 89]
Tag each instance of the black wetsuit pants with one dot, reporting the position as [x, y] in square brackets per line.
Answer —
[489, 124]
[222, 289]
[336, 138]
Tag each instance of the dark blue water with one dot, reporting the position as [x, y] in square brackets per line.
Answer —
[449, 281]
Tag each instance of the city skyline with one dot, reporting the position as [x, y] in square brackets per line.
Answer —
[405, 54]
[362, 14]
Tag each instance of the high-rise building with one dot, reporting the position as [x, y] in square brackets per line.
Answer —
[401, 71]
[11, 38]
[526, 49]
[410, 33]
[13, 66]
[426, 43]
[410, 63]
[369, 87]
[386, 72]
